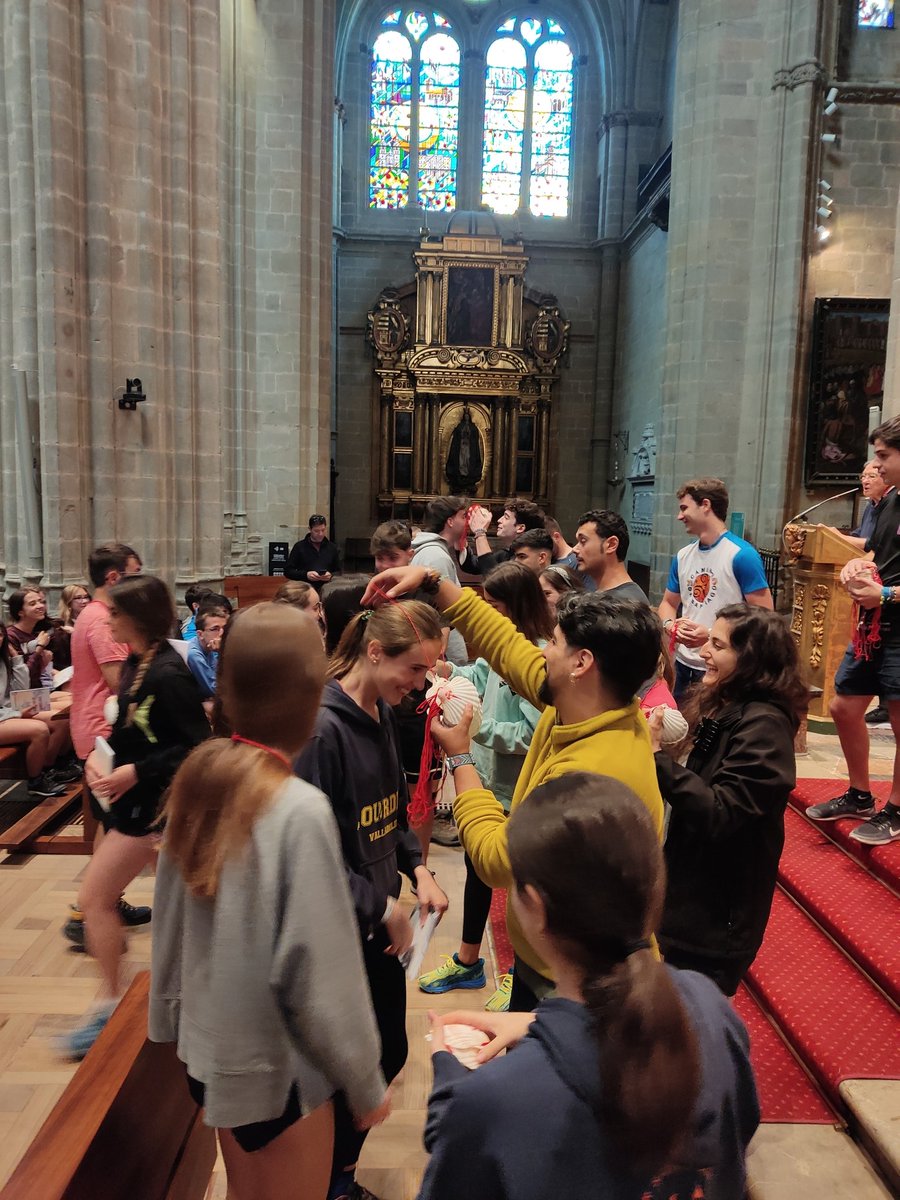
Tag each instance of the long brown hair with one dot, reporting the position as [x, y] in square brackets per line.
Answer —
[147, 603]
[587, 845]
[767, 667]
[518, 588]
[270, 683]
[398, 627]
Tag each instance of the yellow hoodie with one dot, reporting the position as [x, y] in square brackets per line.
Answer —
[616, 743]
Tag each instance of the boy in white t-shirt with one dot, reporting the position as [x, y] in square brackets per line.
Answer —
[718, 569]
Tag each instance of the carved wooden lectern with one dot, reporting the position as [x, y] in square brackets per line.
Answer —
[822, 612]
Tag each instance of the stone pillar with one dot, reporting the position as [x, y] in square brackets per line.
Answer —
[747, 81]
[278, 95]
[892, 373]
[111, 157]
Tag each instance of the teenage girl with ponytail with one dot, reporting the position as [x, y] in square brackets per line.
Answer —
[257, 973]
[633, 1070]
[508, 722]
[160, 719]
[354, 757]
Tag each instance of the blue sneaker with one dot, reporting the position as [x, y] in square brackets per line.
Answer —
[77, 1043]
[453, 974]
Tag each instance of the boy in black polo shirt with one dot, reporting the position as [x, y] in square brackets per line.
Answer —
[871, 665]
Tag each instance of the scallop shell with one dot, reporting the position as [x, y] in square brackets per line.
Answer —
[452, 696]
[674, 727]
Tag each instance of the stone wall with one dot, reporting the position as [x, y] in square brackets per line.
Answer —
[640, 354]
[863, 168]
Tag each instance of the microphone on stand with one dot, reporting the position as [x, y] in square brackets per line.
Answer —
[813, 507]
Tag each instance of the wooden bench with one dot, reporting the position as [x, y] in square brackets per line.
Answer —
[125, 1128]
[12, 762]
[244, 590]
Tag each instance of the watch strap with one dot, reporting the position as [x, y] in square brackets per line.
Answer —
[459, 760]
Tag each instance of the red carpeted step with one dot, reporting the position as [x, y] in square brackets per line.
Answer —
[787, 1095]
[841, 1026]
[882, 861]
[859, 912]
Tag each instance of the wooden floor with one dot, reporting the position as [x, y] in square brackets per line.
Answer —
[45, 987]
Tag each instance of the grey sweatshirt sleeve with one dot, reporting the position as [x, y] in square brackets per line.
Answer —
[317, 968]
[165, 961]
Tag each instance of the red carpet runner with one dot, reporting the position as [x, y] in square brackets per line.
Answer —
[806, 992]
[787, 1095]
[882, 861]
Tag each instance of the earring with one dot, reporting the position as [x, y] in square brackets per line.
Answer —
[572, 677]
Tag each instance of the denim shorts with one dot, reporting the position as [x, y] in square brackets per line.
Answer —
[257, 1135]
[876, 676]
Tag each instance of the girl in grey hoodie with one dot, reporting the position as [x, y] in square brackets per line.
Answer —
[257, 972]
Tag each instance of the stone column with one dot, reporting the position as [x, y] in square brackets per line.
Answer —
[113, 274]
[747, 80]
[892, 374]
[277, 72]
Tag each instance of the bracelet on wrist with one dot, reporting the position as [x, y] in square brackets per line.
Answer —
[887, 595]
[459, 760]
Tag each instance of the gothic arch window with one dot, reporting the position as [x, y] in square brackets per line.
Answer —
[529, 85]
[414, 116]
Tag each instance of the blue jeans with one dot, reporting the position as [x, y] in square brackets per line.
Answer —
[685, 678]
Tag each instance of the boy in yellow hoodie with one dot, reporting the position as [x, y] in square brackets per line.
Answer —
[585, 680]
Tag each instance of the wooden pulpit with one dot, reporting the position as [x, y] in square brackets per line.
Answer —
[822, 612]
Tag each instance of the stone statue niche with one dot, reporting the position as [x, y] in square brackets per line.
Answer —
[465, 458]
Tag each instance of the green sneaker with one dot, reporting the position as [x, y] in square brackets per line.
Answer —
[499, 1002]
[453, 974]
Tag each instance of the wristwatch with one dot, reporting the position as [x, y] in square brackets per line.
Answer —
[459, 760]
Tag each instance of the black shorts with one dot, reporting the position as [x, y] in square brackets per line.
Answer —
[122, 818]
[876, 676]
[258, 1134]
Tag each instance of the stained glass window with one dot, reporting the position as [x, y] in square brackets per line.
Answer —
[876, 14]
[529, 88]
[415, 87]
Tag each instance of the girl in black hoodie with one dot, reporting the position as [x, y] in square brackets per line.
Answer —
[726, 831]
[353, 756]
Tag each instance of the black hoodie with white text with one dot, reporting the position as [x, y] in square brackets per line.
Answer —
[355, 761]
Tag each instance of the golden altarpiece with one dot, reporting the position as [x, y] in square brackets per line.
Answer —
[466, 362]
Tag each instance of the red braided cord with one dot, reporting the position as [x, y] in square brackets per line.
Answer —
[866, 634]
[421, 805]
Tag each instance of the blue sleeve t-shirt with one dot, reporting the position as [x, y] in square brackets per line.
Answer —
[707, 578]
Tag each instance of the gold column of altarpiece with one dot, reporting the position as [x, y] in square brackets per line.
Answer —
[465, 363]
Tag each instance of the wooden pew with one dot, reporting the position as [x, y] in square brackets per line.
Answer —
[125, 1128]
[244, 590]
